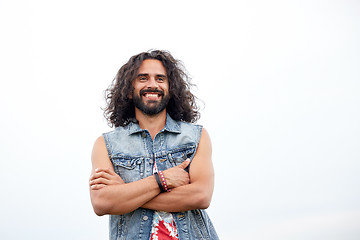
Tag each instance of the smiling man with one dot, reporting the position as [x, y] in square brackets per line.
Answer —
[153, 173]
[151, 88]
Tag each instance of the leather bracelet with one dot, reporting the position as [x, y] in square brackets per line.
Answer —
[163, 181]
[159, 182]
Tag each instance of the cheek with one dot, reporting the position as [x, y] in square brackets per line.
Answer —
[167, 87]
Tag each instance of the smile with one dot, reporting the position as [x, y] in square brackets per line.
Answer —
[151, 95]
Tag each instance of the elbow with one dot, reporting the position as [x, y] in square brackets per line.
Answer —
[102, 209]
[99, 209]
[99, 212]
[99, 204]
[203, 201]
[102, 205]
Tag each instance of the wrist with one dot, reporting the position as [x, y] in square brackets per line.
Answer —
[159, 182]
[163, 182]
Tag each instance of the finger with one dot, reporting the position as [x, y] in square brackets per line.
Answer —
[100, 174]
[97, 186]
[185, 163]
[106, 170]
[99, 181]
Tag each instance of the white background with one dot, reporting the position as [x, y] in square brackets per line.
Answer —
[280, 83]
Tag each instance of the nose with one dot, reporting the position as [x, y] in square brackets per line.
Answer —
[152, 83]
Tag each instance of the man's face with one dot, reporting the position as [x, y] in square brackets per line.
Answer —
[151, 87]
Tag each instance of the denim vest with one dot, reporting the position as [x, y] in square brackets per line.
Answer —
[133, 153]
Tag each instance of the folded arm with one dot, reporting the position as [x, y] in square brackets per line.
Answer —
[197, 194]
[108, 192]
[110, 195]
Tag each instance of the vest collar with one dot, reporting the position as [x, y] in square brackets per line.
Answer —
[170, 125]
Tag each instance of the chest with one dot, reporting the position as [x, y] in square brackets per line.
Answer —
[134, 158]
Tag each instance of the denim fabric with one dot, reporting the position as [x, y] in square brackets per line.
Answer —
[133, 152]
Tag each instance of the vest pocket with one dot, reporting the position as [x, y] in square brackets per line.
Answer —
[179, 155]
[128, 168]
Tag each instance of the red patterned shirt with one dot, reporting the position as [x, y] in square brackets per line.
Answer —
[163, 226]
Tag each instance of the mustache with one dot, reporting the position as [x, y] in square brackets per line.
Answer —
[142, 92]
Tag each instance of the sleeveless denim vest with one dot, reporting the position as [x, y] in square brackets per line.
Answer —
[133, 153]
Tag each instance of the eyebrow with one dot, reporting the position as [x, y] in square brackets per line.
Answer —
[146, 74]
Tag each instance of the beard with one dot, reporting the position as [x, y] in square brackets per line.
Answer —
[152, 107]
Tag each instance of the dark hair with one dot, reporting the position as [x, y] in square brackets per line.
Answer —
[120, 109]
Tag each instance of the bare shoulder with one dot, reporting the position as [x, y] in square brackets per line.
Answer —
[205, 133]
[100, 141]
[99, 146]
[201, 168]
[205, 141]
[204, 150]
[99, 156]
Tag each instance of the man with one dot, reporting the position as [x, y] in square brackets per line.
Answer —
[153, 174]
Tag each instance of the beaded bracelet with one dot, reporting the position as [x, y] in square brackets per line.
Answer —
[159, 182]
[164, 182]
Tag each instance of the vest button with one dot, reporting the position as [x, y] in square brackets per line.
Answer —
[151, 161]
[145, 218]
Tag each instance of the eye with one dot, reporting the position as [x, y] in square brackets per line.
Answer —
[142, 79]
[161, 79]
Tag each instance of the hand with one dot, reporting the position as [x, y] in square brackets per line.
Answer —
[177, 176]
[104, 177]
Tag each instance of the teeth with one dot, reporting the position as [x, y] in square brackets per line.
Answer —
[151, 95]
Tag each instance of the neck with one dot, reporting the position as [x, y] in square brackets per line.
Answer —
[153, 123]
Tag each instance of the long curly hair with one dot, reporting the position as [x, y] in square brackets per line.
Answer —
[120, 109]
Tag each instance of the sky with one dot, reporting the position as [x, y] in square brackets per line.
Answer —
[278, 83]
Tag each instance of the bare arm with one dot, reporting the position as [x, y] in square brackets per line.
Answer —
[197, 194]
[110, 198]
[110, 195]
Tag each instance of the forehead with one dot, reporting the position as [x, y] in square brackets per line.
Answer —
[152, 66]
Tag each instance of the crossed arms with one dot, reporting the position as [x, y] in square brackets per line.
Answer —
[110, 195]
